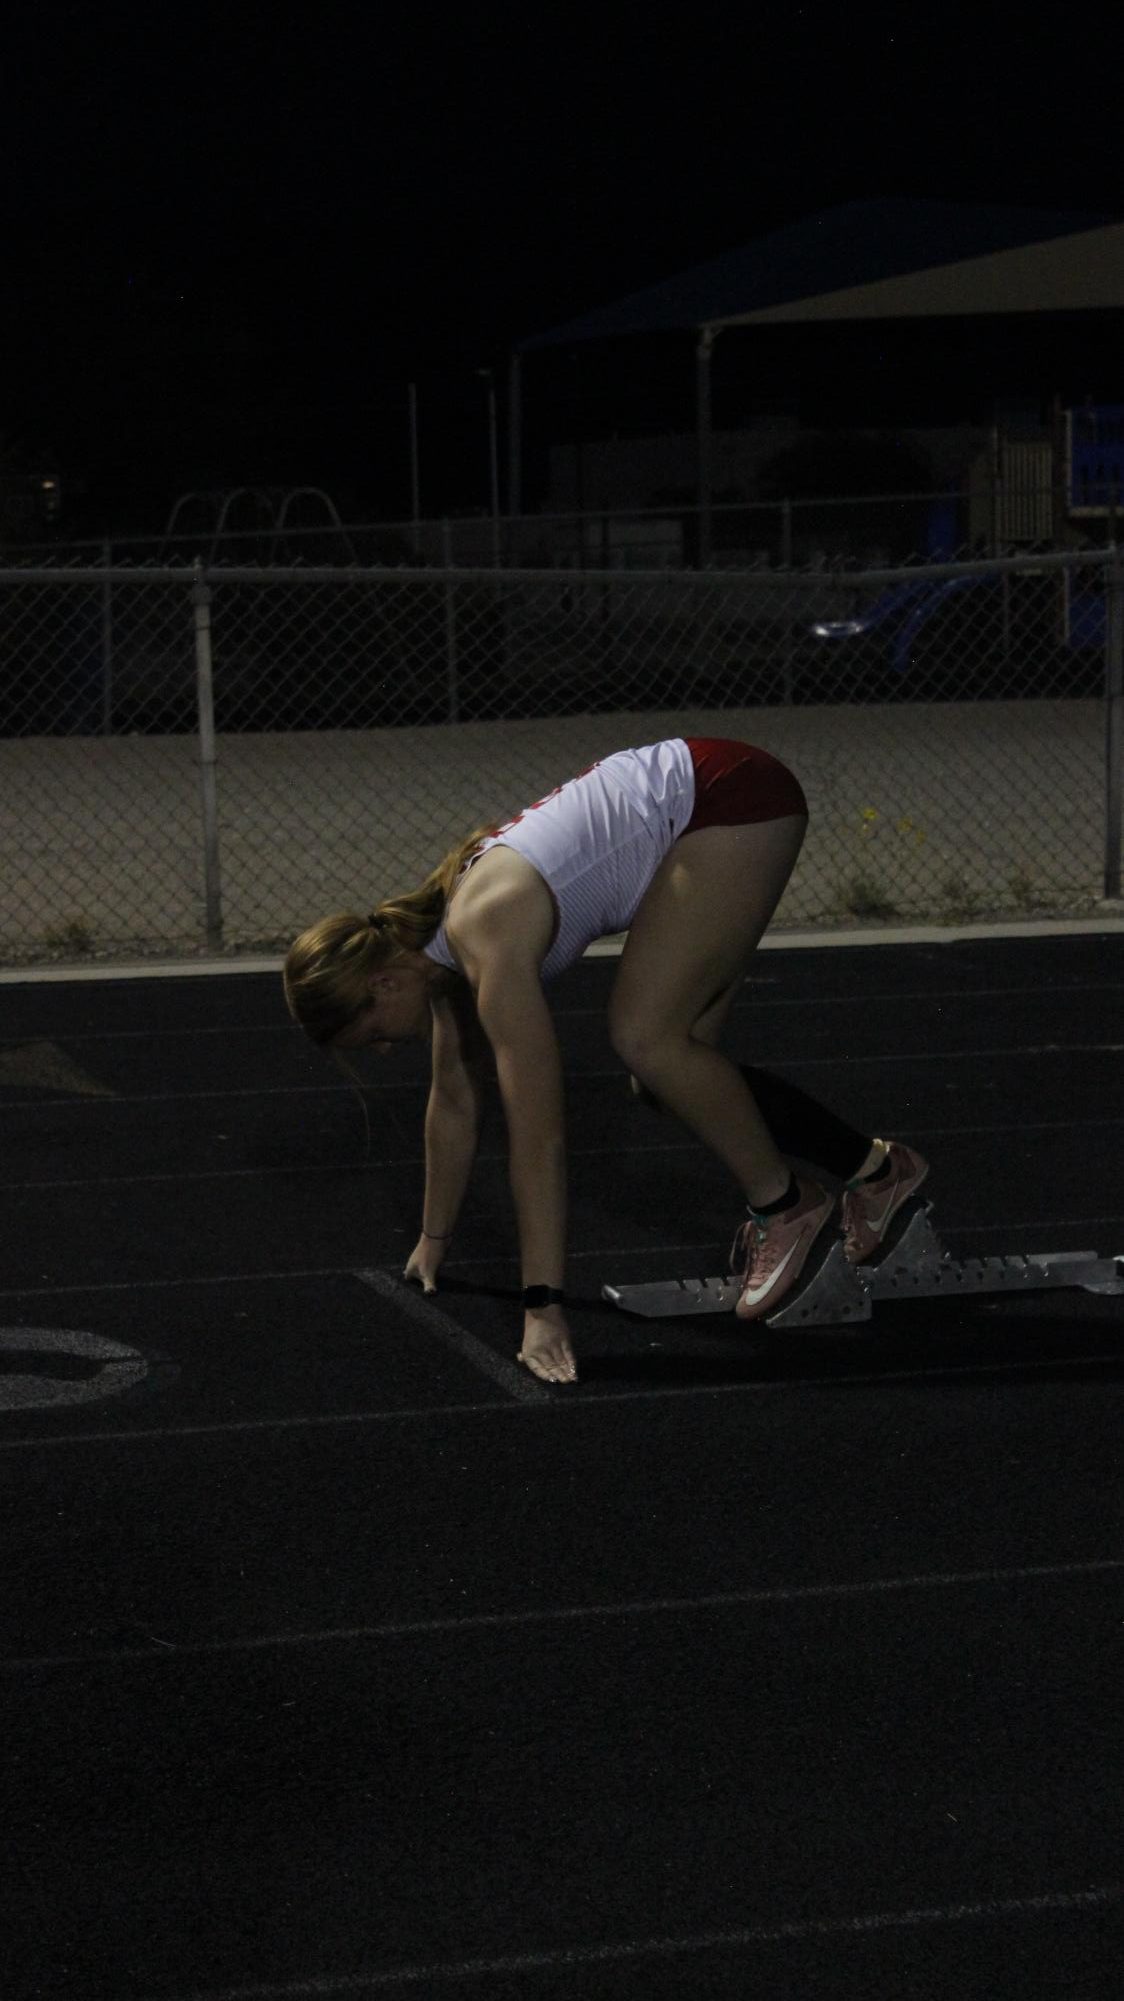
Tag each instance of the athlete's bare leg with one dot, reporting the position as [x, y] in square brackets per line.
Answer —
[690, 943]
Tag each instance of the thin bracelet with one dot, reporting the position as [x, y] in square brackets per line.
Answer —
[438, 1236]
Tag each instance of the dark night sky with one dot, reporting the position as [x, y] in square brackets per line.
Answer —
[234, 236]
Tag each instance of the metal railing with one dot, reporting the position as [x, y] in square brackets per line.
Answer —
[212, 757]
[986, 517]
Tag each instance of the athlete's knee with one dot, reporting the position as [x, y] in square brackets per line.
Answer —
[643, 1047]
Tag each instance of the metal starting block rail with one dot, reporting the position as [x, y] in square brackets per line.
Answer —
[914, 1266]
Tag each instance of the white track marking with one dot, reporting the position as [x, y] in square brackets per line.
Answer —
[517, 1381]
[40, 1065]
[880, 1060]
[559, 1615]
[610, 1252]
[621, 1950]
[574, 1399]
[122, 1368]
[752, 1004]
[499, 1158]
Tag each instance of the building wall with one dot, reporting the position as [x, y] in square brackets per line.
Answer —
[652, 471]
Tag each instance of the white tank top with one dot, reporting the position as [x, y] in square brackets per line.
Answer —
[597, 841]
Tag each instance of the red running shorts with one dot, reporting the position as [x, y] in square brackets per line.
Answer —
[735, 784]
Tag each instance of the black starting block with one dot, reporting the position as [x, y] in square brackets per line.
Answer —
[915, 1265]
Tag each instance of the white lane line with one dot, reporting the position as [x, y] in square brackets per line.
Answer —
[511, 1377]
[180, 1097]
[886, 1060]
[573, 1399]
[190, 1278]
[1040, 1223]
[499, 1158]
[129, 970]
[560, 1615]
[650, 1251]
[617, 1950]
[751, 1004]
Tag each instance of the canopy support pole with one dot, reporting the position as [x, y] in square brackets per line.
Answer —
[514, 436]
[707, 337]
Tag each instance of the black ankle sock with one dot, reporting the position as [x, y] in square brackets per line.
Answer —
[785, 1201]
[879, 1172]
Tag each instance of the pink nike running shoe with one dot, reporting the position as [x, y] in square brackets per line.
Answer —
[869, 1207]
[770, 1252]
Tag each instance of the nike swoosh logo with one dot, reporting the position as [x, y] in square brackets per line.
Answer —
[753, 1294]
[878, 1223]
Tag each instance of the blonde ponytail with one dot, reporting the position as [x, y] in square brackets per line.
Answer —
[329, 967]
[415, 918]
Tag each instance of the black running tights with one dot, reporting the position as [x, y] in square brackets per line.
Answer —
[802, 1127]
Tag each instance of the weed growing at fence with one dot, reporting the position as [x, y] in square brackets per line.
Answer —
[1024, 895]
[863, 898]
[886, 849]
[74, 937]
[959, 902]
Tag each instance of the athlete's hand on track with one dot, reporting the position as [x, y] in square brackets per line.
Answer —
[546, 1349]
[424, 1261]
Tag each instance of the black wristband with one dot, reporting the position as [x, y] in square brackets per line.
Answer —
[542, 1295]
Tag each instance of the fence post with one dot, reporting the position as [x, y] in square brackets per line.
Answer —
[205, 700]
[1114, 720]
[452, 707]
[107, 643]
[786, 564]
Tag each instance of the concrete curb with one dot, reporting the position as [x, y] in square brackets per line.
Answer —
[1111, 922]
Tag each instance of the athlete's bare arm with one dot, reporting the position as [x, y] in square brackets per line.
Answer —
[500, 930]
[461, 1061]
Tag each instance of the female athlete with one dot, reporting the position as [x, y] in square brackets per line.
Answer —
[686, 845]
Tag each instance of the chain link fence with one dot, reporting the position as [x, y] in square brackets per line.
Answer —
[210, 759]
[989, 514]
